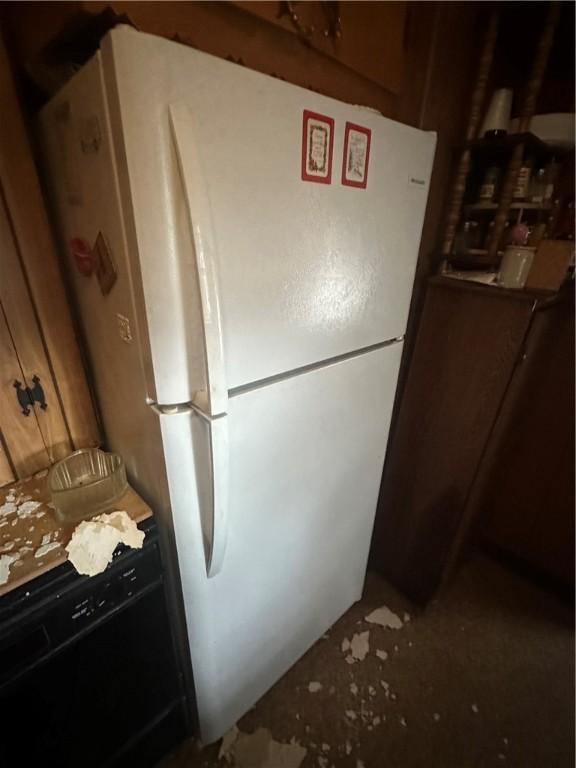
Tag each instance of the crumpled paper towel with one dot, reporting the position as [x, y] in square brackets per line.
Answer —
[93, 541]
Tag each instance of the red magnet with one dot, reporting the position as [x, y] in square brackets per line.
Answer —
[82, 256]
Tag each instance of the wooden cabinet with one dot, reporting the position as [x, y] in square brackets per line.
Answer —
[364, 66]
[524, 501]
[39, 354]
[366, 37]
[34, 430]
[450, 445]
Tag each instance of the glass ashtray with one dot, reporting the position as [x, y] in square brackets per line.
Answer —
[87, 482]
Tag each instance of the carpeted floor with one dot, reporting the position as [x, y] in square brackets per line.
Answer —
[483, 677]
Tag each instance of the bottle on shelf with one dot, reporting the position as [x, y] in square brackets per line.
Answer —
[566, 224]
[537, 234]
[523, 181]
[486, 235]
[552, 173]
[553, 218]
[489, 186]
[537, 188]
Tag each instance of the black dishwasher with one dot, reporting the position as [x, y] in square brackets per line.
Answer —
[88, 673]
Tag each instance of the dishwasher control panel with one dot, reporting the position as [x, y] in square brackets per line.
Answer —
[121, 585]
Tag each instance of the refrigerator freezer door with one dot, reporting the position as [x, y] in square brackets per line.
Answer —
[305, 461]
[303, 271]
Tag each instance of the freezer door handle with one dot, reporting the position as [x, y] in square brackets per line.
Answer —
[216, 545]
[215, 399]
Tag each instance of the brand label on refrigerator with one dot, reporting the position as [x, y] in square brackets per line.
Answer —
[317, 146]
[356, 158]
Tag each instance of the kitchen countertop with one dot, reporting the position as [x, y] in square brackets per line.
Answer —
[25, 530]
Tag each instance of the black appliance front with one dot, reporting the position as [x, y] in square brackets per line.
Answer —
[88, 677]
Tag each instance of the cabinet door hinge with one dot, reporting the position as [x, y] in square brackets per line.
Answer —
[29, 396]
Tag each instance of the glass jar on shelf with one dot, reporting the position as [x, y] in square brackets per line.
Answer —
[467, 238]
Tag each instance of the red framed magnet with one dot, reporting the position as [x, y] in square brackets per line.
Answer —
[317, 147]
[82, 256]
[356, 160]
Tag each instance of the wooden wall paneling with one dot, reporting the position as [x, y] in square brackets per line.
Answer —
[371, 42]
[30, 26]
[371, 72]
[227, 31]
[421, 32]
[26, 209]
[467, 346]
[22, 435]
[27, 339]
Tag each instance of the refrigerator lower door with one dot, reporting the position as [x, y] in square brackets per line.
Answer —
[303, 470]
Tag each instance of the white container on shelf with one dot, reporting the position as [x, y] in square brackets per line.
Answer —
[515, 266]
[497, 117]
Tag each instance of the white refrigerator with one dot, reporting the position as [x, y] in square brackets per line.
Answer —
[241, 252]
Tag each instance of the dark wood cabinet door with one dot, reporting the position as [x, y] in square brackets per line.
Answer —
[526, 500]
[469, 341]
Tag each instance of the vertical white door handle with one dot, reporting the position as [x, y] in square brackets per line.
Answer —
[216, 543]
[211, 407]
[198, 205]
[196, 453]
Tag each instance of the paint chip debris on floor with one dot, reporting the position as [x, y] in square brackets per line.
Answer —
[385, 618]
[354, 702]
[357, 648]
[260, 750]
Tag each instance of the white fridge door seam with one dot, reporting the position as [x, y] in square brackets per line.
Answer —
[214, 400]
[270, 380]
